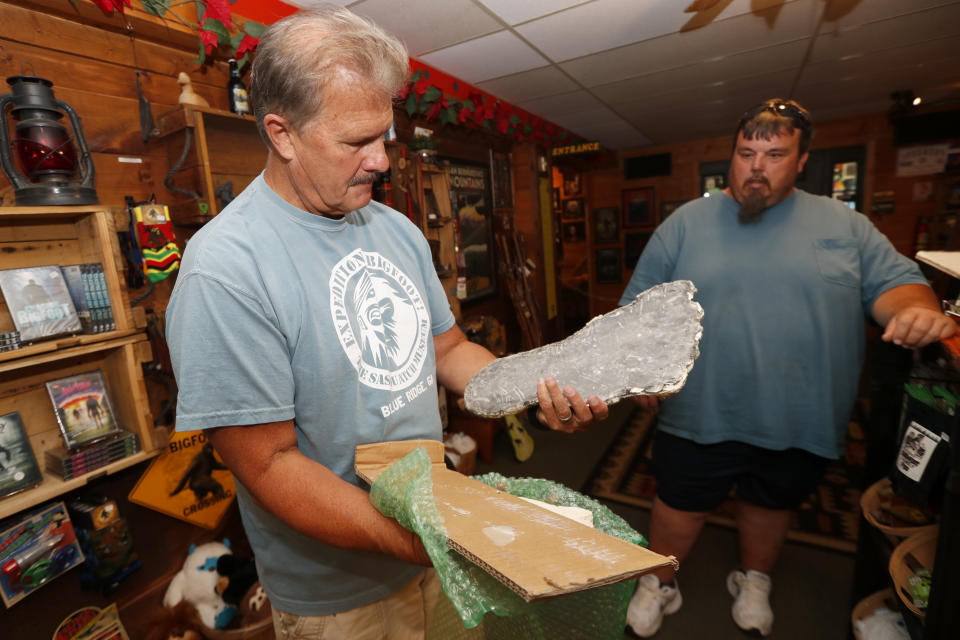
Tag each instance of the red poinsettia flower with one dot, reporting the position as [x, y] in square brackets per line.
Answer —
[209, 39]
[109, 6]
[218, 10]
[248, 43]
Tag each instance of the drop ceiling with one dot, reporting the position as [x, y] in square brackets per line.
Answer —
[632, 73]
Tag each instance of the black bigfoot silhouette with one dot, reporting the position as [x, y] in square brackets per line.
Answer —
[198, 475]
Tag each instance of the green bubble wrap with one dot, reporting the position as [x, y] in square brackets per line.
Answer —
[405, 492]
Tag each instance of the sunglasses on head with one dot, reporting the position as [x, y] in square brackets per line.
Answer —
[782, 109]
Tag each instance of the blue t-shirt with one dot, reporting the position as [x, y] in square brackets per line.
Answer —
[280, 314]
[784, 302]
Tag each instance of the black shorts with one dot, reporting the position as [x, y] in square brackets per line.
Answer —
[699, 477]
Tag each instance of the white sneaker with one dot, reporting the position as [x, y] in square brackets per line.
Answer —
[649, 604]
[751, 609]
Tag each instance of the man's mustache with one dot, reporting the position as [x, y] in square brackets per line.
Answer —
[757, 177]
[364, 178]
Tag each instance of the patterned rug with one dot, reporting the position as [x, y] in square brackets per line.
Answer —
[828, 518]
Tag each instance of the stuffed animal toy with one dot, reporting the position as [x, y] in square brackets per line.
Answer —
[255, 606]
[200, 584]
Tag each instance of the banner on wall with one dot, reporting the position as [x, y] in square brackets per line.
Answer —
[922, 160]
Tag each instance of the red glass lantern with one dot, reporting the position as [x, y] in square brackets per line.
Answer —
[47, 159]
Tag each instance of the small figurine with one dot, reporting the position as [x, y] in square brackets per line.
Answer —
[187, 94]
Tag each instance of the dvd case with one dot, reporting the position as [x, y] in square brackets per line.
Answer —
[83, 409]
[39, 302]
[18, 465]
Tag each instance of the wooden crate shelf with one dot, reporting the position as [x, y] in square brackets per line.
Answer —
[37, 236]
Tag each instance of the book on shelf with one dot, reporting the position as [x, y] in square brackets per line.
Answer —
[18, 465]
[66, 463]
[39, 302]
[88, 290]
[83, 408]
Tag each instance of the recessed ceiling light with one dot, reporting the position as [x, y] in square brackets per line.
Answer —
[917, 100]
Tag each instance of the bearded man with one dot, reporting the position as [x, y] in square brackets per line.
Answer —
[785, 279]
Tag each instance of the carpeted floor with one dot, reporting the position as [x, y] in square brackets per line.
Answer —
[828, 518]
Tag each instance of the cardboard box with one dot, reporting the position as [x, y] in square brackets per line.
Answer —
[536, 553]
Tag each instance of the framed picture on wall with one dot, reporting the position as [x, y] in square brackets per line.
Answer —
[606, 225]
[609, 266]
[634, 243]
[638, 208]
[502, 183]
[713, 182]
[571, 184]
[666, 208]
[573, 208]
[574, 232]
[470, 196]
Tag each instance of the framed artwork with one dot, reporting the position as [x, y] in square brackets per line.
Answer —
[713, 182]
[571, 185]
[574, 232]
[502, 180]
[609, 269]
[606, 225]
[666, 208]
[634, 243]
[638, 207]
[573, 208]
[470, 196]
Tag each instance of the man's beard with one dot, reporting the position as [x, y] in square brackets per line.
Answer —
[753, 204]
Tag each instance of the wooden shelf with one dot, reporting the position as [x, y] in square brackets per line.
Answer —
[52, 486]
[226, 148]
[9, 359]
[38, 236]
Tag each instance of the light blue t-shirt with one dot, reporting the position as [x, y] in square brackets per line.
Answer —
[784, 304]
[280, 314]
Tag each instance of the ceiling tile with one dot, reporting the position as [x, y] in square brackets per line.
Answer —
[499, 54]
[561, 104]
[852, 13]
[884, 34]
[743, 33]
[929, 51]
[601, 25]
[737, 95]
[537, 83]
[514, 12]
[615, 135]
[783, 58]
[426, 25]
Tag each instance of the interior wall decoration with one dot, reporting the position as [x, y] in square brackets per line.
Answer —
[574, 232]
[634, 244]
[666, 208]
[606, 225]
[211, 20]
[609, 267]
[571, 184]
[470, 199]
[638, 211]
[573, 208]
[712, 183]
[502, 184]
[441, 98]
